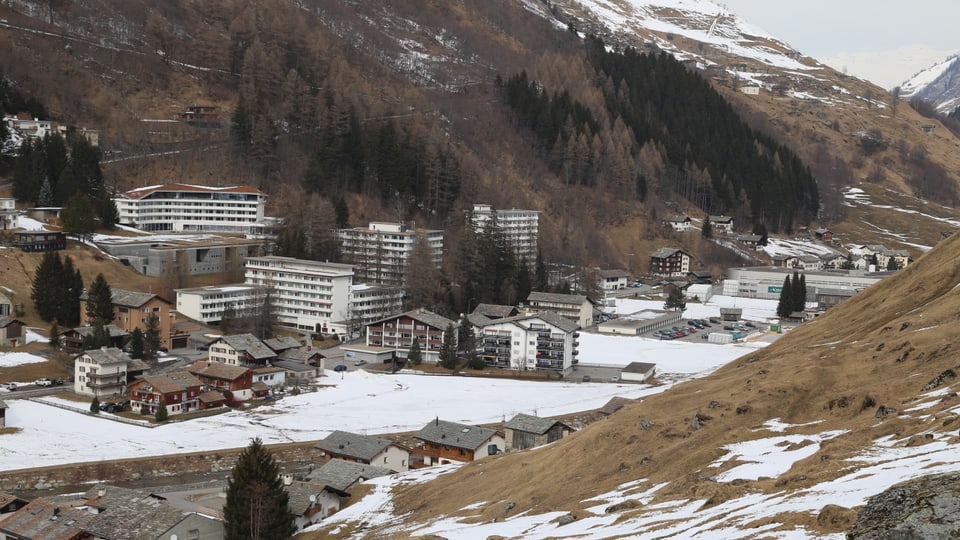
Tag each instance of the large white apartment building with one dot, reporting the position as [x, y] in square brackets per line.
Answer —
[370, 302]
[306, 294]
[189, 208]
[381, 251]
[537, 341]
[207, 304]
[520, 227]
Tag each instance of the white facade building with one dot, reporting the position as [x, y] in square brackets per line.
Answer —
[101, 372]
[540, 341]
[370, 302]
[189, 208]
[306, 294]
[207, 304]
[520, 227]
[381, 251]
[767, 281]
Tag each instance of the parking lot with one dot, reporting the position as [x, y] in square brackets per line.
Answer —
[699, 329]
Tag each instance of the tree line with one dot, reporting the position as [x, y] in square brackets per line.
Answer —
[793, 295]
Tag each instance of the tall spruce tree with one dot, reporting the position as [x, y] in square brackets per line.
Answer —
[785, 303]
[136, 343]
[448, 351]
[151, 337]
[797, 289]
[69, 312]
[47, 291]
[100, 301]
[257, 505]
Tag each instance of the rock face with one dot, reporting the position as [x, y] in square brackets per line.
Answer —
[925, 508]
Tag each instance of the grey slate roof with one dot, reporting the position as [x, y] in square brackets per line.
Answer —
[250, 344]
[124, 298]
[353, 445]
[299, 494]
[531, 424]
[131, 514]
[295, 366]
[340, 475]
[36, 520]
[547, 316]
[615, 273]
[557, 298]
[112, 329]
[455, 435]
[107, 355]
[639, 367]
[493, 311]
[477, 319]
[300, 354]
[282, 343]
[664, 253]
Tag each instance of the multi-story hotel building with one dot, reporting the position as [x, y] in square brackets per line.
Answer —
[539, 341]
[189, 208]
[305, 294]
[520, 227]
[381, 251]
[207, 304]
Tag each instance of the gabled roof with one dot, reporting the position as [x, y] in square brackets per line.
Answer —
[217, 370]
[531, 424]
[494, 311]
[249, 344]
[353, 445]
[666, 253]
[140, 193]
[749, 238]
[211, 397]
[428, 318]
[617, 273]
[300, 354]
[7, 321]
[282, 343]
[177, 381]
[107, 355]
[676, 219]
[546, 316]
[557, 298]
[301, 495]
[292, 365]
[339, 474]
[48, 519]
[720, 219]
[455, 435]
[132, 299]
[131, 514]
[113, 330]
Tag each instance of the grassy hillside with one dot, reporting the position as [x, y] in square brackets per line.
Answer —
[878, 349]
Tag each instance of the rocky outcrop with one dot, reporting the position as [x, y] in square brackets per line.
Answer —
[928, 507]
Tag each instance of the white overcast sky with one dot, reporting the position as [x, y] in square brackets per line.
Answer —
[885, 41]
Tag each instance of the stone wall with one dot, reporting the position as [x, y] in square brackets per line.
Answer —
[84, 474]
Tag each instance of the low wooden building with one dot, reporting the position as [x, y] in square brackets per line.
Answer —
[446, 442]
[11, 332]
[40, 240]
[526, 431]
[365, 449]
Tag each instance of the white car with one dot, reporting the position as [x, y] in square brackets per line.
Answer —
[360, 362]
[43, 382]
[8, 386]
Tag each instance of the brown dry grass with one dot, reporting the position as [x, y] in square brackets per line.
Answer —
[802, 378]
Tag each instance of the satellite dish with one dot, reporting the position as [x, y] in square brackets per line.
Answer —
[313, 498]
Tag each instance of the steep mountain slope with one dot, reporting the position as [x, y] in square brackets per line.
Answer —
[938, 85]
[784, 443]
[429, 68]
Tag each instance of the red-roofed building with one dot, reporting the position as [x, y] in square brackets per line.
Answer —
[179, 391]
[190, 208]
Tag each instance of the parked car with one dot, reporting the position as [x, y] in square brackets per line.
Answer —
[360, 362]
[8, 386]
[340, 367]
[108, 407]
[586, 378]
[57, 382]
[43, 382]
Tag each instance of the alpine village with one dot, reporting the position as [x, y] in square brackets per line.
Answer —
[472, 269]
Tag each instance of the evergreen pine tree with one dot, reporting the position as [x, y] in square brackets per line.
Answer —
[448, 351]
[675, 300]
[45, 199]
[79, 216]
[415, 356]
[892, 264]
[342, 212]
[46, 290]
[524, 281]
[785, 303]
[136, 343]
[540, 280]
[107, 211]
[161, 415]
[98, 337]
[95, 405]
[228, 320]
[707, 230]
[151, 337]
[256, 505]
[100, 301]
[798, 292]
[69, 312]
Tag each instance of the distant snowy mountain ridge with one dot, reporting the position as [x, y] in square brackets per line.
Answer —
[938, 84]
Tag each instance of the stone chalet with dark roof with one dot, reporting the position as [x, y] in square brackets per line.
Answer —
[237, 380]
[445, 442]
[241, 350]
[179, 391]
[669, 262]
[365, 449]
[526, 431]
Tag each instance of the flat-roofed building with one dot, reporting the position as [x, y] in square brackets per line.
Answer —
[207, 304]
[521, 228]
[186, 208]
[306, 294]
[381, 251]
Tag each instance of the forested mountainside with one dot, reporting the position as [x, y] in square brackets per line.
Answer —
[345, 112]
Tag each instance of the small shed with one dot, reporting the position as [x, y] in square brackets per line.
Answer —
[3, 414]
[526, 431]
[638, 372]
[731, 314]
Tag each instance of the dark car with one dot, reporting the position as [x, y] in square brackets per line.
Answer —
[108, 407]
[340, 367]
[57, 382]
